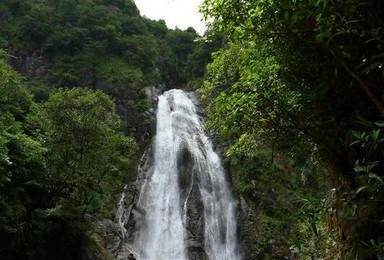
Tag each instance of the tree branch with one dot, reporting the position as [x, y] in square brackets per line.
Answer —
[379, 105]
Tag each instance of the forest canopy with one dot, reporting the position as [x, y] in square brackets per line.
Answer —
[308, 76]
[102, 45]
[49, 176]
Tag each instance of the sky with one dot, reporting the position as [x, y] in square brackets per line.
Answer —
[176, 13]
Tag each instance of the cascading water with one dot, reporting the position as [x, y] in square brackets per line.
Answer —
[121, 215]
[162, 231]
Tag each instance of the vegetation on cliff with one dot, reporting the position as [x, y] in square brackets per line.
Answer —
[73, 113]
[58, 161]
[103, 45]
[304, 80]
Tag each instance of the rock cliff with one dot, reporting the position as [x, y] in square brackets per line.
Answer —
[128, 216]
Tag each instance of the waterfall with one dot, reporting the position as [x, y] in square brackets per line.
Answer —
[121, 215]
[161, 232]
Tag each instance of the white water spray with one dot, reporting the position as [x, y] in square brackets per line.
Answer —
[161, 234]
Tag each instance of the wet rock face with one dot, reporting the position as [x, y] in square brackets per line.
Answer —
[153, 92]
[195, 225]
[190, 200]
[191, 203]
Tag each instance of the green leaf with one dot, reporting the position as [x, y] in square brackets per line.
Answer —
[286, 15]
[296, 242]
[375, 134]
[360, 189]
[327, 33]
[319, 38]
[376, 177]
[312, 2]
[314, 229]
[294, 18]
[356, 134]
[34, 183]
[355, 142]
[359, 169]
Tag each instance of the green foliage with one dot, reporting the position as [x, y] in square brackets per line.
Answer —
[59, 161]
[202, 55]
[14, 99]
[79, 36]
[311, 69]
[99, 44]
[55, 233]
[118, 74]
[360, 207]
[78, 126]
[65, 158]
[313, 240]
[22, 163]
[174, 48]
[100, 248]
[272, 183]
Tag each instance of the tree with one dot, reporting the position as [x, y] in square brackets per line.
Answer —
[87, 155]
[22, 164]
[58, 161]
[177, 46]
[311, 69]
[202, 55]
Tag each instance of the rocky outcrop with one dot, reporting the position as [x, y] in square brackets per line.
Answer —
[33, 65]
[248, 230]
